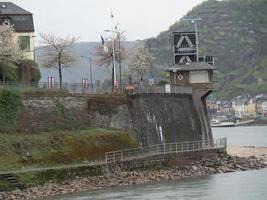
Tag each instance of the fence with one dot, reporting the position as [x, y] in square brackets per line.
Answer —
[80, 88]
[163, 149]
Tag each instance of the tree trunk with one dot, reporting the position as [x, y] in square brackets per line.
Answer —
[141, 79]
[60, 74]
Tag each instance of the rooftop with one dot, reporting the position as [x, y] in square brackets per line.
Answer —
[9, 8]
[193, 66]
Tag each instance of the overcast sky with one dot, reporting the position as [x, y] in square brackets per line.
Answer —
[88, 18]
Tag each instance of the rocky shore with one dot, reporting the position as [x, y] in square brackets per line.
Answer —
[220, 164]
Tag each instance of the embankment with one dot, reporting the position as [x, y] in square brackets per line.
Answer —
[159, 171]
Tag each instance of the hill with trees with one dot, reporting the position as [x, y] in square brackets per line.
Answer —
[235, 33]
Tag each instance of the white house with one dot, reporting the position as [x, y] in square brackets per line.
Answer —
[22, 20]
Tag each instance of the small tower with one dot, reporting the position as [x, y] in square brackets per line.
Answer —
[189, 69]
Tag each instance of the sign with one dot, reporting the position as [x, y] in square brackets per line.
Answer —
[84, 85]
[184, 47]
[151, 79]
[51, 82]
[167, 88]
[207, 59]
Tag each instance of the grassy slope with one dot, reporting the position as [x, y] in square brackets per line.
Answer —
[59, 147]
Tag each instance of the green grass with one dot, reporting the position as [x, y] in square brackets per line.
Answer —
[21, 150]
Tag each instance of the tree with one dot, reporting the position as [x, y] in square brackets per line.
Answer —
[104, 53]
[141, 61]
[58, 52]
[9, 47]
[10, 53]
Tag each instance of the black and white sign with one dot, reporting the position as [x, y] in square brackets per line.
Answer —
[184, 47]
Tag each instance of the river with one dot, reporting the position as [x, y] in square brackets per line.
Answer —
[239, 185]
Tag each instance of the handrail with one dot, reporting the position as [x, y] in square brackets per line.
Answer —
[86, 88]
[163, 149]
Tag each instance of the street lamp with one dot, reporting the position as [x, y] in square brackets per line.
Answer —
[113, 53]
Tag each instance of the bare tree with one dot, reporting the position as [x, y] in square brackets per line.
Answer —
[58, 52]
[104, 53]
[141, 61]
[10, 51]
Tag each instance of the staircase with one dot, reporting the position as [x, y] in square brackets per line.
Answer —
[12, 180]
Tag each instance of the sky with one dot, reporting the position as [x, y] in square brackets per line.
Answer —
[87, 19]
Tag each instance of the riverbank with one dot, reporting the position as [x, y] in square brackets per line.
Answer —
[247, 151]
[220, 163]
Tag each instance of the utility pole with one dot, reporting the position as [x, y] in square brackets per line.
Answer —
[91, 74]
[120, 61]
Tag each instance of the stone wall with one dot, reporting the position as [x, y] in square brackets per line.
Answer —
[44, 113]
[151, 118]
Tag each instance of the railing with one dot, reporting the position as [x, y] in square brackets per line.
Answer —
[150, 89]
[79, 88]
[163, 149]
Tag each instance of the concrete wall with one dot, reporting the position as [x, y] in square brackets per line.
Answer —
[158, 118]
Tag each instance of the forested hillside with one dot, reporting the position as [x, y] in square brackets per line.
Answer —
[235, 33]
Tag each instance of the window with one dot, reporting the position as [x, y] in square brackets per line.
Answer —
[6, 22]
[24, 42]
[199, 77]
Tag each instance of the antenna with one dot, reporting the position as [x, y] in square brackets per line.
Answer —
[194, 21]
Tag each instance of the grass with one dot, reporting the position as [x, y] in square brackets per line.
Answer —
[21, 150]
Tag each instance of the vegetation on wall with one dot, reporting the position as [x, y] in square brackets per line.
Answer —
[10, 104]
[9, 108]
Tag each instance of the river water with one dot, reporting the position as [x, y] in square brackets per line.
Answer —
[230, 186]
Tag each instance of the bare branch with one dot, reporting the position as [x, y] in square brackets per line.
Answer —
[58, 52]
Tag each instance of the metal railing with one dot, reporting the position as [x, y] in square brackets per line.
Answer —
[163, 149]
[79, 88]
[150, 89]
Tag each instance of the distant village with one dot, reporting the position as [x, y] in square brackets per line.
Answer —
[240, 107]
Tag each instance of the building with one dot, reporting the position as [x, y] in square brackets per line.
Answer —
[197, 75]
[189, 69]
[22, 20]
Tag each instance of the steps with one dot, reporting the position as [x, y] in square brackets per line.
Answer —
[12, 180]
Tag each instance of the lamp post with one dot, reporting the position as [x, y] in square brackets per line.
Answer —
[194, 21]
[114, 56]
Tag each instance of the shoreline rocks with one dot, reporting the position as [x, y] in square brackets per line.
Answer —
[222, 163]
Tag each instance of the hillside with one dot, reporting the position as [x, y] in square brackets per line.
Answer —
[235, 33]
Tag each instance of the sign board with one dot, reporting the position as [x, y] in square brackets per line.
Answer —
[167, 88]
[51, 82]
[207, 59]
[84, 85]
[184, 47]
[151, 79]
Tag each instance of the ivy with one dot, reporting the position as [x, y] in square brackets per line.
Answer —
[10, 105]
